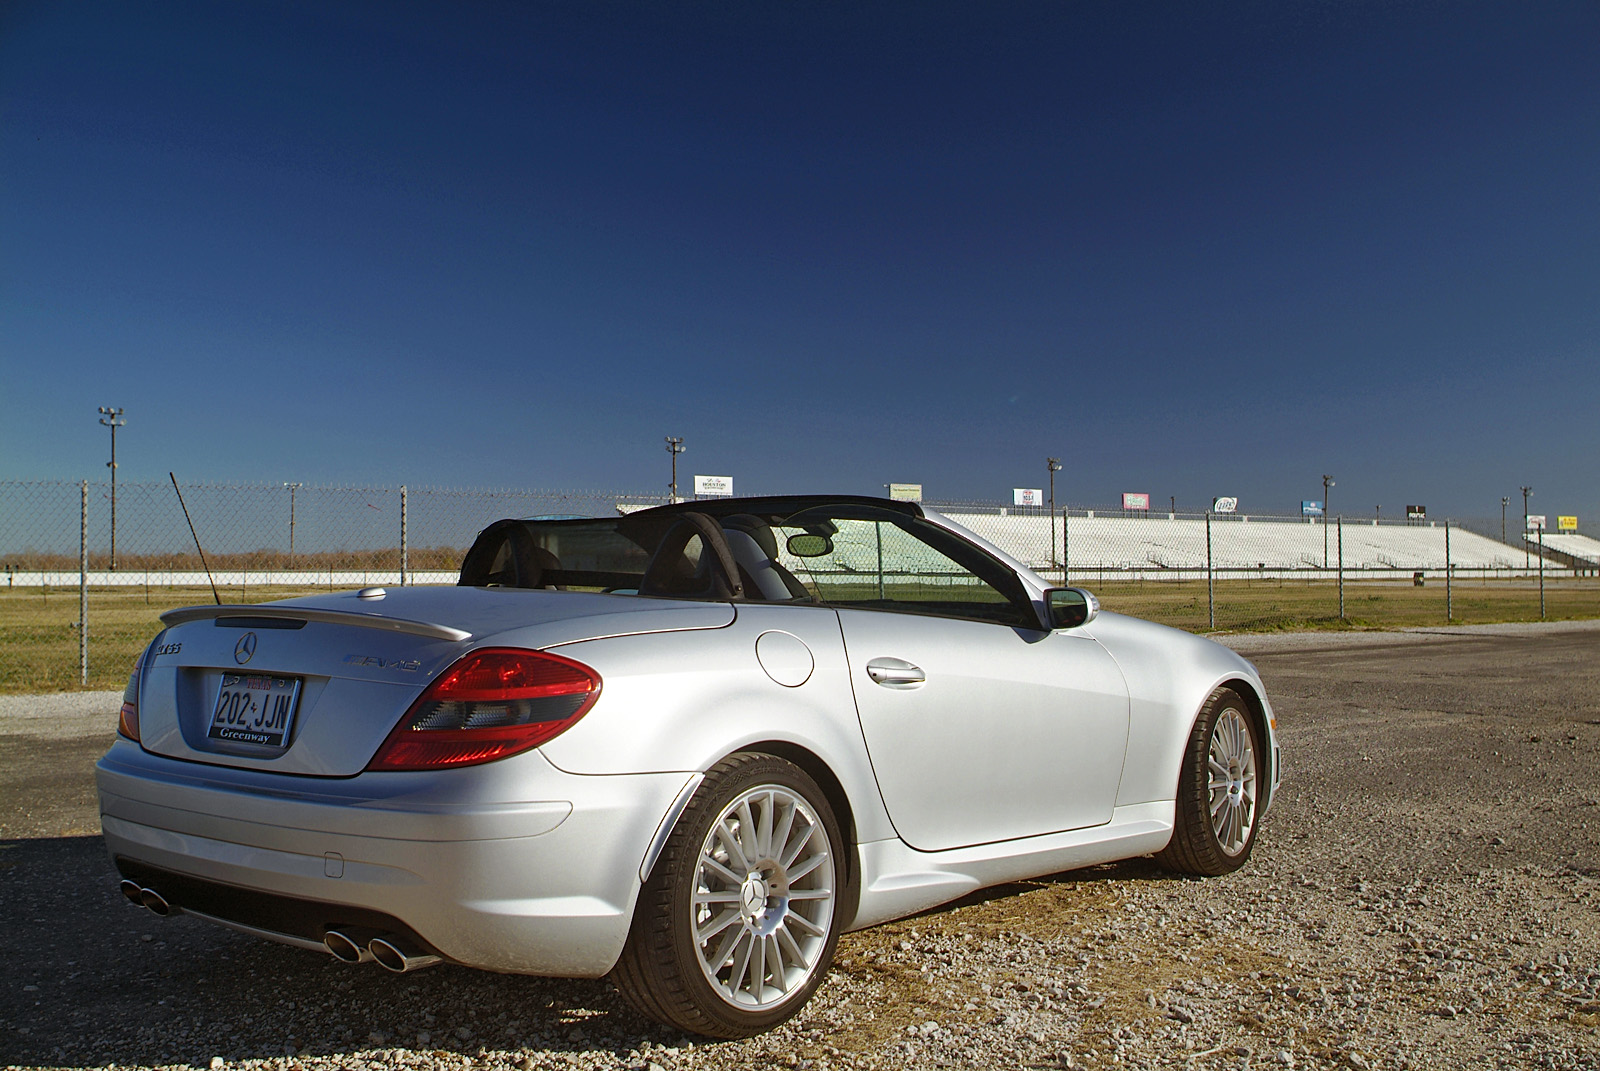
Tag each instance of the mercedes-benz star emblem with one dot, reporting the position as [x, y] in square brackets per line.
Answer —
[245, 648]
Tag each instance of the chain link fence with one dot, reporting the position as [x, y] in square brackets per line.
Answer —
[82, 591]
[1213, 572]
[82, 594]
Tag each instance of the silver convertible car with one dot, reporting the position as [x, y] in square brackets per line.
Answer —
[685, 747]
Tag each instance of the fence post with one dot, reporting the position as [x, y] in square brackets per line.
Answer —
[1449, 604]
[1340, 522]
[405, 552]
[83, 584]
[1211, 580]
[1065, 528]
[1541, 572]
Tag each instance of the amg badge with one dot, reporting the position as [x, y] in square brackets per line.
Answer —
[409, 665]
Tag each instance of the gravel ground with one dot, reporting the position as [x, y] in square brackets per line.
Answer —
[1425, 895]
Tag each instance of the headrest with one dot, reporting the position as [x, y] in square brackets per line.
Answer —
[756, 529]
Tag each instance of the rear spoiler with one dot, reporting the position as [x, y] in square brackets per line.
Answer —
[269, 616]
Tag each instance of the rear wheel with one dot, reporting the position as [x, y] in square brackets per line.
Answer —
[737, 925]
[1218, 803]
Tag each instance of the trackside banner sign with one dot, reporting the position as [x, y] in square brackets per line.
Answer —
[713, 486]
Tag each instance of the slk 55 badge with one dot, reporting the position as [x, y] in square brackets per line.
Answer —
[409, 665]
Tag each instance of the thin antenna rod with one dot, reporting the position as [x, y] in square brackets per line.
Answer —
[197, 546]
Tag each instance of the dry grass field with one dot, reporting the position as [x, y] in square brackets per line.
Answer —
[39, 631]
[1286, 605]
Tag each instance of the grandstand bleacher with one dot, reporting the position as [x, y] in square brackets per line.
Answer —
[1571, 548]
[1174, 546]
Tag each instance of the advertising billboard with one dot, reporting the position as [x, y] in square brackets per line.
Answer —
[1225, 505]
[1535, 522]
[1566, 524]
[1135, 500]
[713, 486]
[1310, 509]
[906, 492]
[1027, 496]
[1416, 513]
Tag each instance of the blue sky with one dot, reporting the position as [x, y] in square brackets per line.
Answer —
[1190, 249]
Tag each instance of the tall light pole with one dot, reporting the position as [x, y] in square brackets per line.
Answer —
[1526, 491]
[293, 487]
[1054, 465]
[1505, 500]
[112, 418]
[675, 447]
[1327, 482]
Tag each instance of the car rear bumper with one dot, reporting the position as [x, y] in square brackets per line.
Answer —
[539, 877]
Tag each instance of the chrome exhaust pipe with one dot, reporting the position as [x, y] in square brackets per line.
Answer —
[396, 954]
[349, 946]
[138, 894]
[155, 902]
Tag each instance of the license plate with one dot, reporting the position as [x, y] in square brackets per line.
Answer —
[255, 709]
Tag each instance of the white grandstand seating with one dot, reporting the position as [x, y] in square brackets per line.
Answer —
[1162, 546]
[1581, 547]
[1159, 543]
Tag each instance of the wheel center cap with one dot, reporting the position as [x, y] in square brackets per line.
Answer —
[753, 896]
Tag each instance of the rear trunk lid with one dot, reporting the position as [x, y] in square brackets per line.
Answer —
[312, 686]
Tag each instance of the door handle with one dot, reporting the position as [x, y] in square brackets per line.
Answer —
[895, 673]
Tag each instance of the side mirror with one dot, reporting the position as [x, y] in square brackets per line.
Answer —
[809, 545]
[1070, 607]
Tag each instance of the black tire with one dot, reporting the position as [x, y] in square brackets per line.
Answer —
[782, 919]
[1216, 821]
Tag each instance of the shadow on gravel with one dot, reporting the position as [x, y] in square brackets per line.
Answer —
[92, 979]
[1127, 870]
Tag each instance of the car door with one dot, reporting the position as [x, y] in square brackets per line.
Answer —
[979, 727]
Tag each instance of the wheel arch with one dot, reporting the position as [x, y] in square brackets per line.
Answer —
[1258, 716]
[839, 800]
[820, 772]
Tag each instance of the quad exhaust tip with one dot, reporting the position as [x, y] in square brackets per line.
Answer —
[392, 952]
[144, 897]
[396, 954]
[348, 946]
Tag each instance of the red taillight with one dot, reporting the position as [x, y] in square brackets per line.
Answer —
[128, 719]
[494, 702]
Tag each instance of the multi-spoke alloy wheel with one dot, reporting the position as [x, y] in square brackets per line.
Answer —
[1214, 822]
[763, 904]
[737, 924]
[1233, 781]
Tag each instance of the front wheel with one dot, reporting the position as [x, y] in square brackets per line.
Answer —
[737, 925]
[1218, 804]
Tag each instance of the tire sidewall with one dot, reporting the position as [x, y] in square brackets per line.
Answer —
[1194, 847]
[680, 874]
[1221, 701]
